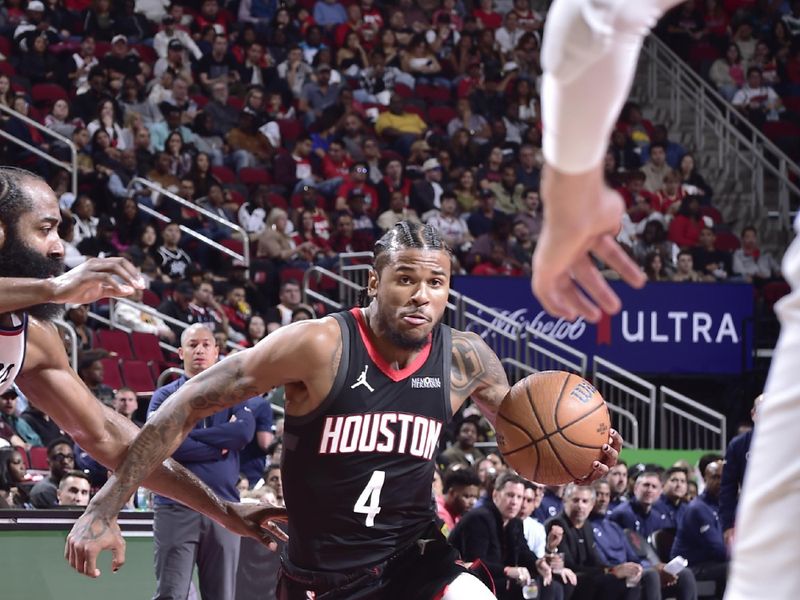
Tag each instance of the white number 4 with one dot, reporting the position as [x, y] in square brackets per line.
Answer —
[371, 494]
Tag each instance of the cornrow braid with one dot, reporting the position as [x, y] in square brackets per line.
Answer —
[13, 201]
[403, 236]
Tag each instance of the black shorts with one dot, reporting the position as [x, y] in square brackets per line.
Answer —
[418, 572]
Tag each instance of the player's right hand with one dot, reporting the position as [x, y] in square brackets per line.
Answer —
[581, 217]
[95, 279]
[90, 535]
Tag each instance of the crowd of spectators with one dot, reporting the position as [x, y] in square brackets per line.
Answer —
[749, 51]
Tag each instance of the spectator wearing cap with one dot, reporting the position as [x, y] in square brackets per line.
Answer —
[319, 95]
[399, 127]
[34, 24]
[171, 33]
[218, 66]
[175, 61]
[363, 225]
[249, 148]
[426, 194]
[18, 425]
[481, 219]
[176, 306]
[84, 105]
[357, 180]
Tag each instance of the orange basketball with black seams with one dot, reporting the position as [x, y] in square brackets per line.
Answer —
[552, 426]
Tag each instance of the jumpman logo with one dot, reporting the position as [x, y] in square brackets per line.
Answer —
[362, 380]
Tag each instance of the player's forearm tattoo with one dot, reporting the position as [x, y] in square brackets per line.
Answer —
[162, 434]
[477, 371]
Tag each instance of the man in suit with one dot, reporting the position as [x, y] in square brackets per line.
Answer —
[595, 580]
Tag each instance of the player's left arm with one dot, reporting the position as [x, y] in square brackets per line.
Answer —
[477, 373]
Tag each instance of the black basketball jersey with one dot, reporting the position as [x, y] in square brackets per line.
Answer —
[357, 472]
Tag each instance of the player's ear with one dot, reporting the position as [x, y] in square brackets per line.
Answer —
[2, 234]
[372, 284]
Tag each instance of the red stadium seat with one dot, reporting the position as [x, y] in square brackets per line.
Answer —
[727, 241]
[114, 340]
[137, 376]
[290, 129]
[403, 90]
[200, 100]
[101, 48]
[254, 176]
[236, 102]
[224, 174]
[150, 298]
[146, 347]
[291, 273]
[39, 458]
[416, 110]
[46, 94]
[792, 103]
[111, 375]
[235, 245]
[7, 69]
[277, 201]
[236, 197]
[5, 47]
[713, 213]
[146, 53]
[441, 115]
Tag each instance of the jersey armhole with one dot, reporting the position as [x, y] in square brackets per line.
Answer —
[341, 374]
[447, 363]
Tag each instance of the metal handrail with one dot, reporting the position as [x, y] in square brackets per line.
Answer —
[71, 167]
[632, 440]
[73, 340]
[710, 108]
[244, 257]
[718, 427]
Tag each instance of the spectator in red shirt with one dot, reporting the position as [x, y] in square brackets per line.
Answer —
[346, 239]
[461, 490]
[498, 263]
[688, 223]
[357, 180]
[633, 190]
[336, 163]
[487, 16]
[671, 195]
[237, 309]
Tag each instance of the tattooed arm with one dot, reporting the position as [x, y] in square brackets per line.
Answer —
[303, 353]
[476, 372]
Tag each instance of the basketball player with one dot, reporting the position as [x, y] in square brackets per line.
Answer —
[589, 56]
[32, 354]
[367, 394]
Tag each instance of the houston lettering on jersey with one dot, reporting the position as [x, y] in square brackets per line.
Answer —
[389, 432]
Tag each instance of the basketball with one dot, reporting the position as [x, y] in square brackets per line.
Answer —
[551, 427]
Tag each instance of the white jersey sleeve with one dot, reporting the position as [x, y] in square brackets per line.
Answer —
[589, 59]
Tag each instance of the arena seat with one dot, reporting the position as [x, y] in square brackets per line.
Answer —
[146, 347]
[662, 542]
[727, 241]
[111, 375]
[114, 340]
[38, 459]
[150, 298]
[441, 115]
[137, 376]
[290, 129]
[46, 94]
[254, 176]
[224, 174]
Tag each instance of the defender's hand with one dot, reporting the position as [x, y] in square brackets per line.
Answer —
[610, 455]
[582, 216]
[95, 279]
[257, 521]
[90, 535]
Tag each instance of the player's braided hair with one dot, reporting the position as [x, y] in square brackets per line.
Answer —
[403, 236]
[13, 200]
